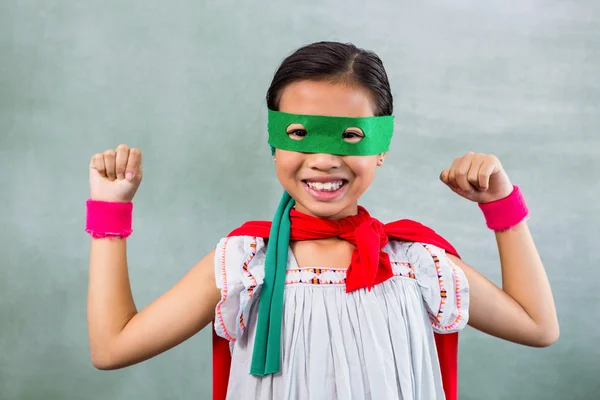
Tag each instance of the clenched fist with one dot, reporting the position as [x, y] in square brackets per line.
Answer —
[478, 177]
[115, 175]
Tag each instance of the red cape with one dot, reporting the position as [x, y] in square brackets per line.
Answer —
[406, 230]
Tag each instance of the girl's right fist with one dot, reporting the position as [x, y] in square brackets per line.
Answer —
[115, 175]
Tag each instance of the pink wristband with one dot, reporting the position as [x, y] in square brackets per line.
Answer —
[505, 213]
[108, 219]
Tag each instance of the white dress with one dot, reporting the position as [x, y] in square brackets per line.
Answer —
[376, 344]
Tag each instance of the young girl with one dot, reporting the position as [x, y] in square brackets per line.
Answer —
[325, 302]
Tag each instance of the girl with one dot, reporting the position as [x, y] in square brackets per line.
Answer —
[349, 308]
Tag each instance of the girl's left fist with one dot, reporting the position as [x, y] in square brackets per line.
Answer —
[478, 177]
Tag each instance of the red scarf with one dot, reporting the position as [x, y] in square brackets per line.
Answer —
[369, 266]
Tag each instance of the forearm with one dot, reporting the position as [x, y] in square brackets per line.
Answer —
[110, 301]
[524, 278]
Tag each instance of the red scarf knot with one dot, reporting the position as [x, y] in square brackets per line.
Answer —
[370, 265]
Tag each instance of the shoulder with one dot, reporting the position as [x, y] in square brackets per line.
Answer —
[403, 250]
[407, 230]
[238, 242]
[231, 249]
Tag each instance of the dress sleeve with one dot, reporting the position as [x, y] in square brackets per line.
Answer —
[239, 274]
[444, 287]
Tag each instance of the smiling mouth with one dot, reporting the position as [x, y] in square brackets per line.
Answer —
[330, 186]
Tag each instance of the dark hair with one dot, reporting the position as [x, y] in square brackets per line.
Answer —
[337, 62]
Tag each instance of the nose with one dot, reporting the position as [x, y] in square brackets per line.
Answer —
[323, 161]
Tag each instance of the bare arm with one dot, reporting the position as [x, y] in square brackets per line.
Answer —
[523, 310]
[120, 335]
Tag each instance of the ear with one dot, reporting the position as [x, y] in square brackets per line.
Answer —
[381, 158]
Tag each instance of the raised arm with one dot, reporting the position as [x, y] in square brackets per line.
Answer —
[120, 335]
[523, 310]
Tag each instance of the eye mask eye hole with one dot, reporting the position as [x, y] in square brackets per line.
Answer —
[296, 131]
[353, 135]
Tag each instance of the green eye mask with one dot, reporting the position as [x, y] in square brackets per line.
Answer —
[325, 134]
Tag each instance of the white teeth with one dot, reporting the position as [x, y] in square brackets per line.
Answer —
[325, 187]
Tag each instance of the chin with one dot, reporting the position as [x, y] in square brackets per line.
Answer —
[327, 210]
